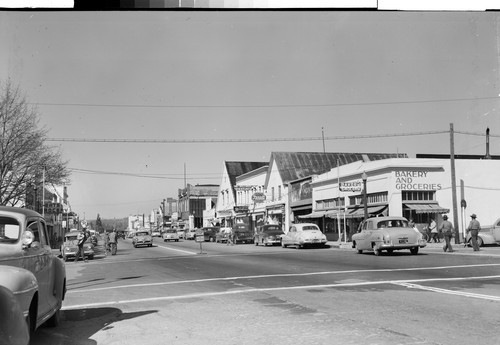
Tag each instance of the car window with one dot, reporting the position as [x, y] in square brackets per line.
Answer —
[9, 230]
[38, 231]
[310, 227]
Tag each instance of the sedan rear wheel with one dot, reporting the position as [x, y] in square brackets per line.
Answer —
[414, 250]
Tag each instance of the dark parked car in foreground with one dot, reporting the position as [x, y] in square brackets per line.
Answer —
[29, 268]
[210, 232]
[242, 234]
[268, 234]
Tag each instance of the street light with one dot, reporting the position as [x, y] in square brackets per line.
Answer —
[364, 178]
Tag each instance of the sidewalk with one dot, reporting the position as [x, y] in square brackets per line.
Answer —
[433, 247]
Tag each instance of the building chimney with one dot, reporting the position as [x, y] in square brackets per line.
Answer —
[487, 144]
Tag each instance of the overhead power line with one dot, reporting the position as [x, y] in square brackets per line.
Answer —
[264, 105]
[261, 140]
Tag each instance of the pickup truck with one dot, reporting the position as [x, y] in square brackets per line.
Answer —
[487, 235]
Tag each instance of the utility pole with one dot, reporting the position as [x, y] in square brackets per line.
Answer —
[453, 184]
[323, 135]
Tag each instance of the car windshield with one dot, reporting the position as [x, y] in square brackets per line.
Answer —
[9, 230]
[310, 227]
[394, 223]
[70, 238]
[142, 233]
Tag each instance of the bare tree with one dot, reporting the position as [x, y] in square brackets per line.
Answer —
[24, 154]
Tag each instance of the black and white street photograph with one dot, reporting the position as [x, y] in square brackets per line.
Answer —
[199, 172]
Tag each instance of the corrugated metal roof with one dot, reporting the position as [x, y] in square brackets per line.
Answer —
[297, 165]
[235, 169]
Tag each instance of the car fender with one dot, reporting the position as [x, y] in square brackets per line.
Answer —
[13, 328]
[21, 282]
[487, 237]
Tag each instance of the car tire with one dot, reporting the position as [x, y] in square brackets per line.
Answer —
[414, 250]
[390, 251]
[91, 257]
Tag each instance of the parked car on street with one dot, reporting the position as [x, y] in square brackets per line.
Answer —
[387, 233]
[28, 267]
[69, 247]
[210, 232]
[190, 234]
[155, 233]
[170, 235]
[142, 238]
[242, 234]
[181, 233]
[487, 235]
[222, 235]
[303, 234]
[269, 234]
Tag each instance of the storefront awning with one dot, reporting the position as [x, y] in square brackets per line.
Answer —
[427, 208]
[360, 211]
[314, 214]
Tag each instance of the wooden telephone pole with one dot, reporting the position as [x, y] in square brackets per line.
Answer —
[454, 184]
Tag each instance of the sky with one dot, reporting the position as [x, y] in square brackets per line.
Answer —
[239, 82]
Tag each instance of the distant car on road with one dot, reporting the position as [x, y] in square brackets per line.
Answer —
[142, 238]
[181, 233]
[487, 235]
[222, 235]
[210, 232]
[242, 234]
[155, 233]
[29, 269]
[387, 233]
[69, 247]
[303, 234]
[268, 234]
[191, 234]
[170, 235]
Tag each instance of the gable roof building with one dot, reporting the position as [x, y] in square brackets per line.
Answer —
[227, 198]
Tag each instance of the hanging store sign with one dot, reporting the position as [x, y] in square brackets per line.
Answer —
[241, 209]
[351, 186]
[258, 197]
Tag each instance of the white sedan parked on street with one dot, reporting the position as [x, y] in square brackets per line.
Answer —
[303, 234]
[387, 233]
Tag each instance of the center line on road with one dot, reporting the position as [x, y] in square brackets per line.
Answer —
[177, 250]
[253, 290]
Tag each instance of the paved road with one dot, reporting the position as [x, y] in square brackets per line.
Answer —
[175, 293]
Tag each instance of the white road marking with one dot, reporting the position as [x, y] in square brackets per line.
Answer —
[177, 250]
[302, 287]
[278, 276]
[450, 292]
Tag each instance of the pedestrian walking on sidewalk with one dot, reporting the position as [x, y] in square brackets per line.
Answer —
[434, 231]
[474, 228]
[446, 229]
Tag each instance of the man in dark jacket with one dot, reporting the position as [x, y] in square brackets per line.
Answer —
[446, 229]
[81, 238]
[474, 228]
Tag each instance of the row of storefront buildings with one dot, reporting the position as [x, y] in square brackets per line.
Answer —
[330, 190]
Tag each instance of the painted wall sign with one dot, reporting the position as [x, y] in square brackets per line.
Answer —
[414, 180]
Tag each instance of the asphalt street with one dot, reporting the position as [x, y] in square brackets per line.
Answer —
[184, 293]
